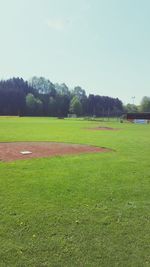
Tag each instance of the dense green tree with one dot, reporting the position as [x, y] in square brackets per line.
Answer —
[91, 105]
[62, 89]
[43, 86]
[52, 107]
[131, 108]
[12, 96]
[75, 106]
[34, 105]
[103, 106]
[79, 93]
[145, 104]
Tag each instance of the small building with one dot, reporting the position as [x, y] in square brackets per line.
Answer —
[139, 117]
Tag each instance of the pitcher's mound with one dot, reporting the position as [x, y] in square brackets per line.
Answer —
[26, 150]
[100, 128]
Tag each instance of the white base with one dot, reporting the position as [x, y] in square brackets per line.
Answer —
[25, 152]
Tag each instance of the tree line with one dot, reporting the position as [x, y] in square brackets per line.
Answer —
[40, 97]
[143, 107]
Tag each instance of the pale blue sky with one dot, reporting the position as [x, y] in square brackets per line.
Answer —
[101, 45]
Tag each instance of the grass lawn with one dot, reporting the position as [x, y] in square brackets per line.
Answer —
[83, 210]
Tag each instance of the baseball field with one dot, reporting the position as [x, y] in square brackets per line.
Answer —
[84, 208]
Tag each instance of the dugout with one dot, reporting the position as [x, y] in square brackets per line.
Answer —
[137, 116]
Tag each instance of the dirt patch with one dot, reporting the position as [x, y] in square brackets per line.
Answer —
[12, 151]
[103, 129]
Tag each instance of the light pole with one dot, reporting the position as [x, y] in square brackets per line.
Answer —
[133, 99]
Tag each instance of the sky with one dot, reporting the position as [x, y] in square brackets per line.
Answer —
[101, 45]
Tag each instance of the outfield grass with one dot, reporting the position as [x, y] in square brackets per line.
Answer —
[84, 210]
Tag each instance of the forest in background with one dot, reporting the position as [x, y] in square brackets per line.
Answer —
[41, 97]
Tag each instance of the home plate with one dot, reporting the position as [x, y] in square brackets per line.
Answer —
[26, 152]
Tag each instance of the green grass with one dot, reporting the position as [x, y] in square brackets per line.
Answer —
[85, 210]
